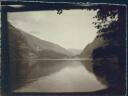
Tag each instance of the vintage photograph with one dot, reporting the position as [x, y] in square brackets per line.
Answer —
[58, 51]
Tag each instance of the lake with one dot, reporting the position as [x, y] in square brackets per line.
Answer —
[62, 76]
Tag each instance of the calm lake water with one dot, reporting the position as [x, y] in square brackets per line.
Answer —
[63, 76]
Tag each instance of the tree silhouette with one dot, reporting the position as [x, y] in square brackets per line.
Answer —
[111, 24]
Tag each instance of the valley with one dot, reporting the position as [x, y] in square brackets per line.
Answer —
[39, 63]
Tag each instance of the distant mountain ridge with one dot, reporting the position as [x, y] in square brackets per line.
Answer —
[75, 51]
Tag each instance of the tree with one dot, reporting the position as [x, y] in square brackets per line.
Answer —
[111, 22]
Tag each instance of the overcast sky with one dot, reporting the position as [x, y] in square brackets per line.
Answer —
[71, 29]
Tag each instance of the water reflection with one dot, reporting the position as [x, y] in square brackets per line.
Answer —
[107, 71]
[62, 76]
[45, 67]
[90, 65]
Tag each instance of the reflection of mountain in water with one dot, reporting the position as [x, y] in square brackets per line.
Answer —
[45, 67]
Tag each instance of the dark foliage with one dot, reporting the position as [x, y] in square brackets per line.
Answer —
[115, 32]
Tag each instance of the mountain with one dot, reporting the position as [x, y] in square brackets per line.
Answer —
[24, 50]
[75, 51]
[38, 45]
[97, 43]
[46, 48]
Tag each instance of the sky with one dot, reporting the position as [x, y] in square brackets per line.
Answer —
[71, 29]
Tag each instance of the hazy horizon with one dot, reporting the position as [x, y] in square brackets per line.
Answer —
[73, 29]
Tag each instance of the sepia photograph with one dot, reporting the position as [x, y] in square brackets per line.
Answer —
[65, 51]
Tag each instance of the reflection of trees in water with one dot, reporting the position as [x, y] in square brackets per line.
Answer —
[105, 70]
[88, 64]
[106, 64]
